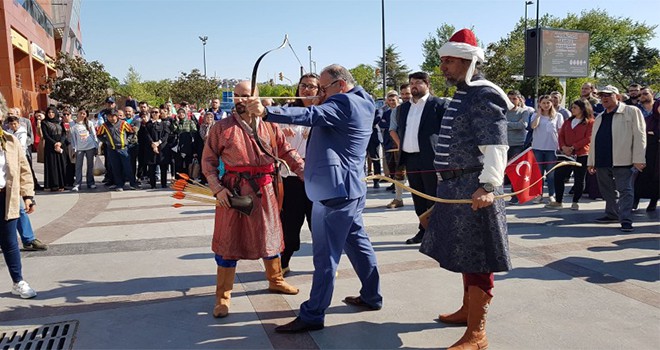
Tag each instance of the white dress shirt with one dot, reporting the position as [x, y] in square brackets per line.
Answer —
[410, 142]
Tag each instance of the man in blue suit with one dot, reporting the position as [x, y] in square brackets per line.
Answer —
[334, 181]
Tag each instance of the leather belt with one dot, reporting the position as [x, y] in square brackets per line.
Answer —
[452, 174]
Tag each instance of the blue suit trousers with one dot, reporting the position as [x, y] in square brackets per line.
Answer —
[337, 225]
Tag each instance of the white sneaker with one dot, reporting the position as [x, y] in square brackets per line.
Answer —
[91, 187]
[575, 206]
[538, 200]
[75, 188]
[23, 289]
[551, 199]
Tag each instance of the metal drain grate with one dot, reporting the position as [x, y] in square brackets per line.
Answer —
[55, 336]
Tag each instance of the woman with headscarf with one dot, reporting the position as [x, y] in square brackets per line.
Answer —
[54, 148]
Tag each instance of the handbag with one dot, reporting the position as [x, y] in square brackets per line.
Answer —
[99, 168]
[194, 169]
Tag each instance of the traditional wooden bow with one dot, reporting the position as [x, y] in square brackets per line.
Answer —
[467, 201]
[253, 83]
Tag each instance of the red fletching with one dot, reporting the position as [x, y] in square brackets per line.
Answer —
[178, 187]
[184, 176]
[179, 195]
[177, 205]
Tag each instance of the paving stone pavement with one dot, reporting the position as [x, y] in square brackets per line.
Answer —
[135, 273]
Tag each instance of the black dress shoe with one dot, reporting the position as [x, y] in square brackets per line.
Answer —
[357, 301]
[417, 239]
[298, 326]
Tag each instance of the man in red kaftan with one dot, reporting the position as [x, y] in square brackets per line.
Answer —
[249, 171]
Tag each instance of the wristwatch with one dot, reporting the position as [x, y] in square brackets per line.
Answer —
[488, 187]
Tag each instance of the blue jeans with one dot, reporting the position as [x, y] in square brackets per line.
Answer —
[80, 157]
[9, 243]
[337, 225]
[24, 226]
[546, 160]
[120, 162]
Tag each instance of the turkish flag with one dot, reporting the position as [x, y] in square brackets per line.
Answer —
[523, 171]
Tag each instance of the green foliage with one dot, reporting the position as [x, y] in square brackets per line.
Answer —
[365, 76]
[431, 45]
[653, 75]
[80, 83]
[133, 86]
[439, 85]
[158, 92]
[195, 88]
[276, 91]
[397, 72]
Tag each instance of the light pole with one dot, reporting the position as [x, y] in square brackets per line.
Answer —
[527, 3]
[310, 58]
[538, 53]
[384, 69]
[204, 39]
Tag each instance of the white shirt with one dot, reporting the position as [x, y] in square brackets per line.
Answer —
[3, 169]
[297, 141]
[410, 142]
[546, 134]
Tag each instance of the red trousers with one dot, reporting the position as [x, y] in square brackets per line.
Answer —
[485, 281]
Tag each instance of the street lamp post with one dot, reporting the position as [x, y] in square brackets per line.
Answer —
[538, 53]
[310, 58]
[204, 39]
[384, 69]
[527, 3]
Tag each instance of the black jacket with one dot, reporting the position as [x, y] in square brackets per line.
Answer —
[432, 114]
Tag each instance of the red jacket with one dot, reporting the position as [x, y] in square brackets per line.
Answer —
[578, 137]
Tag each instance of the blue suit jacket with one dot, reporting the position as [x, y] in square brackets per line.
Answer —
[336, 148]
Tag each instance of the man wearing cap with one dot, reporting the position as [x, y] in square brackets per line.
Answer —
[618, 146]
[470, 157]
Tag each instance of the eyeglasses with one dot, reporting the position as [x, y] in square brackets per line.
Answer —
[324, 88]
[66, 113]
[304, 86]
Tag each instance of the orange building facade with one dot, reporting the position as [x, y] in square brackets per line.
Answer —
[34, 31]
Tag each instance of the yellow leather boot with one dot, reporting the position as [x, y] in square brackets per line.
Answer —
[276, 282]
[223, 287]
[458, 317]
[475, 334]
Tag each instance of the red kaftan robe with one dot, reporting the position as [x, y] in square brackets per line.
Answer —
[238, 236]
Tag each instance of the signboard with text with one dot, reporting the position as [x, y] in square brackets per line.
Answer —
[564, 53]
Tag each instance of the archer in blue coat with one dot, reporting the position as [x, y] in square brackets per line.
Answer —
[334, 181]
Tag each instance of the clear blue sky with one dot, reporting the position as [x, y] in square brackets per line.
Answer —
[159, 38]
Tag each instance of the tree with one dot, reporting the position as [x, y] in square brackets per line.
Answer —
[653, 75]
[133, 86]
[397, 72]
[365, 76]
[158, 92]
[195, 88]
[267, 89]
[79, 83]
[632, 65]
[431, 45]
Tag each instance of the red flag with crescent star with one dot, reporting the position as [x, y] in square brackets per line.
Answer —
[522, 170]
